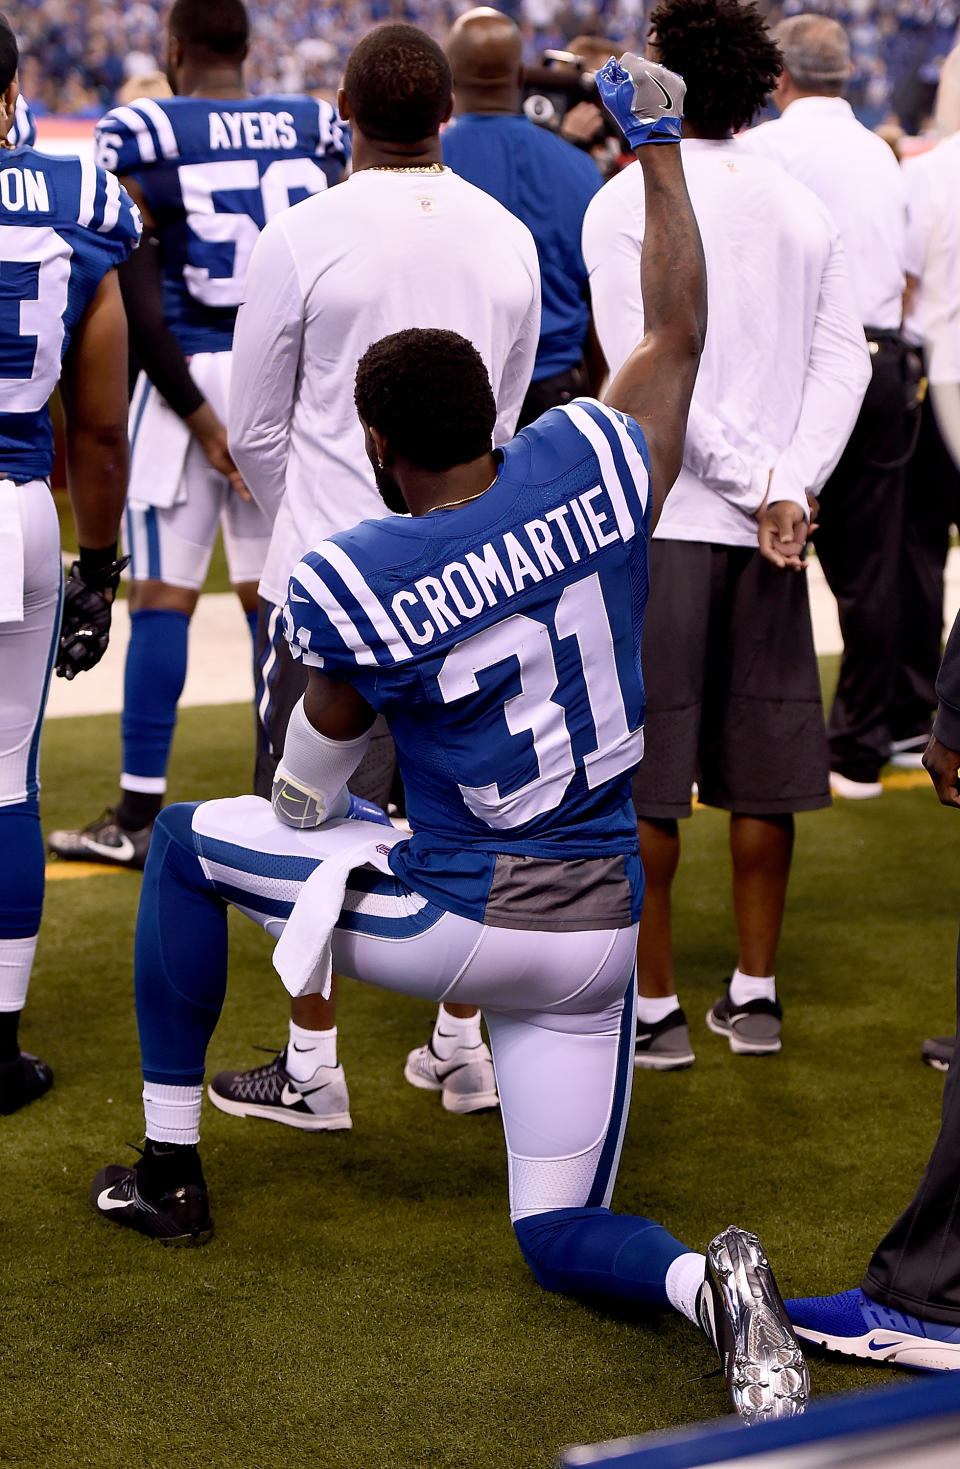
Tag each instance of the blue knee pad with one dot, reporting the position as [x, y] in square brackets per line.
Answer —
[22, 862]
[595, 1253]
[180, 956]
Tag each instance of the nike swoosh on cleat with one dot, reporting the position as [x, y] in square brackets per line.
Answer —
[878, 1346]
[106, 1202]
[124, 849]
[289, 1096]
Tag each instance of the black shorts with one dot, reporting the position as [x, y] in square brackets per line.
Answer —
[281, 681]
[732, 684]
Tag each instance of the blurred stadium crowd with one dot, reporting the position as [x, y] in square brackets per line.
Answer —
[75, 57]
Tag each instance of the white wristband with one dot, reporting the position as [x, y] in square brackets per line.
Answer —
[309, 787]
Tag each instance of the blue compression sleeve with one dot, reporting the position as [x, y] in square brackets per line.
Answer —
[180, 956]
[22, 862]
[153, 682]
[595, 1253]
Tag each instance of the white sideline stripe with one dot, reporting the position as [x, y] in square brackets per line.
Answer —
[220, 670]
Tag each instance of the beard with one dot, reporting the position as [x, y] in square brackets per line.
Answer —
[390, 492]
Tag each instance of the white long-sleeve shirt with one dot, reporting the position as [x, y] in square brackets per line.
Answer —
[785, 364]
[819, 141]
[378, 254]
[933, 199]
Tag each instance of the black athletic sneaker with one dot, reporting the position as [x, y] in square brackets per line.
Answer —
[752, 1029]
[152, 1200]
[23, 1080]
[742, 1313]
[938, 1052]
[664, 1046]
[318, 1105]
[103, 841]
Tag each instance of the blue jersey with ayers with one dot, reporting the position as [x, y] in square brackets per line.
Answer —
[213, 173]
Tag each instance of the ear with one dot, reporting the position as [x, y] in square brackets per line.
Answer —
[449, 110]
[380, 444]
[343, 106]
[8, 103]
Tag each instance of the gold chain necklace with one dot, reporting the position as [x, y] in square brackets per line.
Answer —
[406, 168]
[452, 504]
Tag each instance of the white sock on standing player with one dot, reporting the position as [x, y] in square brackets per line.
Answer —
[16, 962]
[451, 1032]
[683, 1282]
[172, 1113]
[745, 987]
[651, 1011]
[307, 1050]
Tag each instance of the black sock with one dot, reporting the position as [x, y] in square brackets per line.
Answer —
[136, 809]
[169, 1165]
[9, 1038]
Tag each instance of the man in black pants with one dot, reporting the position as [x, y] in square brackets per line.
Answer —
[907, 1309]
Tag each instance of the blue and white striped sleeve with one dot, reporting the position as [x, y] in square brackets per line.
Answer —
[131, 138]
[619, 444]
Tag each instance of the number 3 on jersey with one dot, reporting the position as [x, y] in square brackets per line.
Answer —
[230, 234]
[581, 614]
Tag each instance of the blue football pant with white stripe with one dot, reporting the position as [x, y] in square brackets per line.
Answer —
[559, 1010]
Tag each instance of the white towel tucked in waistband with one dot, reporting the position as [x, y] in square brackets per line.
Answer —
[303, 957]
[11, 554]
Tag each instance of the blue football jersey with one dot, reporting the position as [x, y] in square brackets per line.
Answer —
[63, 224]
[213, 173]
[501, 640]
[24, 130]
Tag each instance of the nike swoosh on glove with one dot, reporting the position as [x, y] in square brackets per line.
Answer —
[361, 810]
[645, 100]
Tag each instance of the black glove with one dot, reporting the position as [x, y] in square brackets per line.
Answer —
[87, 601]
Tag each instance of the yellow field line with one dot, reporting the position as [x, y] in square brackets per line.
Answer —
[65, 871]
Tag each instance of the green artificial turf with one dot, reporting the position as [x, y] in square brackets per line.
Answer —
[363, 1301]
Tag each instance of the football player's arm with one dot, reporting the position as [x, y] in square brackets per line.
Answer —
[265, 367]
[157, 348]
[655, 383]
[93, 391]
[941, 758]
[326, 738]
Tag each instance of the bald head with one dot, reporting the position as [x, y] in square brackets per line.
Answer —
[485, 51]
[816, 54]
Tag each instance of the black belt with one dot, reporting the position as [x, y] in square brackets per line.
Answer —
[883, 341]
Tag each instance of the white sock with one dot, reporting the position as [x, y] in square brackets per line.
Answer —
[172, 1113]
[452, 1031]
[683, 1282]
[745, 987]
[309, 1049]
[16, 962]
[652, 1011]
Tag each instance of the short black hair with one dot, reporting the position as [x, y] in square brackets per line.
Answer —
[398, 84]
[726, 56]
[9, 53]
[220, 27]
[428, 392]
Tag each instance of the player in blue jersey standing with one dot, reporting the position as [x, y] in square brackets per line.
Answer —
[64, 227]
[209, 168]
[498, 628]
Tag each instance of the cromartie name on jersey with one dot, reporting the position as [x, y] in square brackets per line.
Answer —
[502, 568]
[252, 130]
[23, 188]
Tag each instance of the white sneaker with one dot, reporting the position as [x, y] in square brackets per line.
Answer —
[318, 1105]
[854, 790]
[466, 1081]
